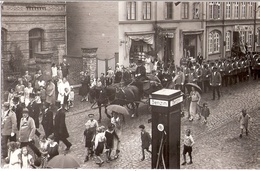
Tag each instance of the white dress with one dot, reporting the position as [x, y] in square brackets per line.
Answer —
[26, 160]
[14, 159]
[148, 65]
[27, 92]
[61, 90]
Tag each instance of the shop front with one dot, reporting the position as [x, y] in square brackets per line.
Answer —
[192, 43]
[139, 46]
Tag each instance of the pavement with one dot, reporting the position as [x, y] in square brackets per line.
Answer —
[217, 143]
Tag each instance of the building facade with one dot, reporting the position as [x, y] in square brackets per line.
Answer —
[161, 29]
[94, 25]
[171, 30]
[31, 28]
[231, 22]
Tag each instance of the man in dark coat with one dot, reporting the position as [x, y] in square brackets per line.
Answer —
[34, 112]
[146, 141]
[18, 110]
[140, 75]
[47, 121]
[215, 82]
[65, 68]
[199, 58]
[60, 128]
[127, 76]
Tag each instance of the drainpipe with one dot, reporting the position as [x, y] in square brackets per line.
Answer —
[223, 31]
[156, 32]
[254, 28]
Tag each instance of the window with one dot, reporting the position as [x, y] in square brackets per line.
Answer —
[214, 39]
[169, 10]
[243, 11]
[216, 42]
[196, 11]
[250, 8]
[211, 10]
[35, 41]
[242, 37]
[147, 10]
[185, 10]
[228, 33]
[249, 38]
[3, 40]
[236, 9]
[214, 10]
[228, 9]
[131, 10]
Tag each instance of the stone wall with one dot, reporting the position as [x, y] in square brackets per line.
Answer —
[90, 60]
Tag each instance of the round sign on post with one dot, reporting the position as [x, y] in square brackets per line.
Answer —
[160, 127]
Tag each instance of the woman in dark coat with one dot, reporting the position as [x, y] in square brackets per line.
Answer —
[85, 86]
[60, 128]
[47, 121]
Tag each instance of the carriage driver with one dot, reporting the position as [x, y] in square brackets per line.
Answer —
[140, 76]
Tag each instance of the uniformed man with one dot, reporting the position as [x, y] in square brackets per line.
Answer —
[166, 78]
[192, 77]
[118, 74]
[215, 82]
[199, 73]
[221, 69]
[206, 78]
[234, 72]
[226, 73]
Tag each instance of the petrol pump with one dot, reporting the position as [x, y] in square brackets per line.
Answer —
[166, 121]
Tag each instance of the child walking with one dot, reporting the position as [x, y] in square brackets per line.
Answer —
[205, 112]
[243, 119]
[110, 135]
[71, 97]
[146, 141]
[89, 137]
[188, 143]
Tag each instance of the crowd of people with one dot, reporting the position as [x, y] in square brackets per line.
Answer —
[34, 98]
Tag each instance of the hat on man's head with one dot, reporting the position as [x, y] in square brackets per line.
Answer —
[25, 110]
[142, 126]
[91, 114]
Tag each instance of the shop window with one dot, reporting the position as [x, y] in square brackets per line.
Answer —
[35, 41]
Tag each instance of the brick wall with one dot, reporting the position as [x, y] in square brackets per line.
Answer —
[93, 25]
[19, 19]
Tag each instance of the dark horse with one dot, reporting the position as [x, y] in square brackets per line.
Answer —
[114, 94]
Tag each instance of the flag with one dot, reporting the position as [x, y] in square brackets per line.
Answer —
[177, 3]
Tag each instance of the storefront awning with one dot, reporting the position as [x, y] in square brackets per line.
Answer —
[192, 32]
[139, 33]
[147, 37]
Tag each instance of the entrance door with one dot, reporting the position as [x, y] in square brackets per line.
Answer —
[190, 46]
[168, 51]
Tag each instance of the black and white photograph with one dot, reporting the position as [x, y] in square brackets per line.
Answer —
[130, 84]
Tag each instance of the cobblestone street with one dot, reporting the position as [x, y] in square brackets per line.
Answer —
[217, 143]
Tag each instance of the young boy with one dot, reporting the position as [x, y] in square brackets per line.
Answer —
[188, 143]
[89, 138]
[71, 97]
[146, 141]
[66, 99]
[205, 112]
[243, 119]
